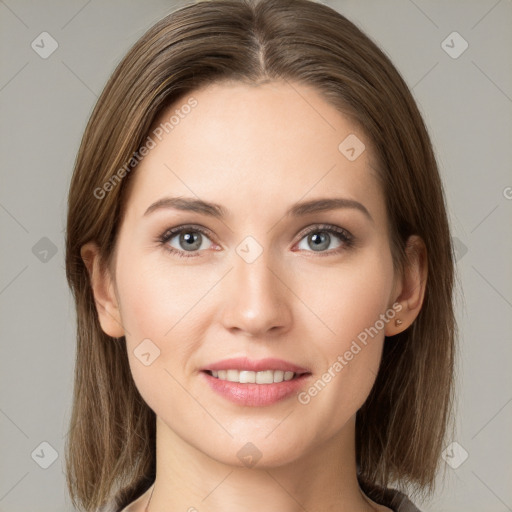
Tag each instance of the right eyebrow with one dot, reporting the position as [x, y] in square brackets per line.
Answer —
[188, 204]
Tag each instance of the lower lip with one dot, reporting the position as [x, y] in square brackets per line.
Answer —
[256, 395]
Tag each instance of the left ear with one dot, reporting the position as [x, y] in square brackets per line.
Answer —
[411, 286]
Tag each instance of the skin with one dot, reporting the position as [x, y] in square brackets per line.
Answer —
[255, 150]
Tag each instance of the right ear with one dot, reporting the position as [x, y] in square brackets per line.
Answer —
[103, 290]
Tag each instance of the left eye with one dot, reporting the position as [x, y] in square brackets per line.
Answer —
[320, 238]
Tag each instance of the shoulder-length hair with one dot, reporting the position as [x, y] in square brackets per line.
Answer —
[401, 428]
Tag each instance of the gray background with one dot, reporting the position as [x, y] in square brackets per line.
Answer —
[44, 105]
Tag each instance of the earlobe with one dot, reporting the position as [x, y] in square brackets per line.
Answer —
[103, 290]
[413, 286]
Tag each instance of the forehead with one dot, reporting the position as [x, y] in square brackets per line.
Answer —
[242, 145]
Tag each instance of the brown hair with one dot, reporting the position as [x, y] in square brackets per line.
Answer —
[401, 428]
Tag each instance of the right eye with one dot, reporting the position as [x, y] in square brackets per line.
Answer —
[189, 239]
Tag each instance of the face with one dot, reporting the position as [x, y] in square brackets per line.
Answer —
[313, 288]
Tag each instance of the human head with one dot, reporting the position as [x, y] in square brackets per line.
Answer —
[256, 45]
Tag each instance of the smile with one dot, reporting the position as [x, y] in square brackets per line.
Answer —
[250, 377]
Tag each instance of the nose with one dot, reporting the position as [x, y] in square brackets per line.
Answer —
[257, 299]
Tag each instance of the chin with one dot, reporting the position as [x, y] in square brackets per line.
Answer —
[259, 452]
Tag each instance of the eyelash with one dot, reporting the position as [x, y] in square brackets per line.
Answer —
[346, 238]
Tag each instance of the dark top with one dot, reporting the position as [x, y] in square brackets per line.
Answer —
[397, 501]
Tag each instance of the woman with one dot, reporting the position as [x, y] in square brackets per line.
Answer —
[260, 255]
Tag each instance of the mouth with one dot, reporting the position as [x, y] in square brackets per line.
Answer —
[255, 382]
[255, 388]
[253, 377]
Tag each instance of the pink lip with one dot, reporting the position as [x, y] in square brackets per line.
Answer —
[243, 363]
[255, 395]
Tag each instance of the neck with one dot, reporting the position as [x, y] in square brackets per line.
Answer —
[322, 479]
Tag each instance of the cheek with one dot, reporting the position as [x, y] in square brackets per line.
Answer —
[345, 298]
[163, 315]
[350, 301]
[156, 296]
[145, 306]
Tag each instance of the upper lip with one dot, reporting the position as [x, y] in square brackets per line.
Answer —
[244, 363]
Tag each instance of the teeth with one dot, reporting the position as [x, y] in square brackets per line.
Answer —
[245, 376]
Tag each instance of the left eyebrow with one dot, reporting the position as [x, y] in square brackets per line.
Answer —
[322, 205]
[296, 210]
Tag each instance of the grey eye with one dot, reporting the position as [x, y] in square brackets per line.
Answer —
[319, 240]
[189, 240]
